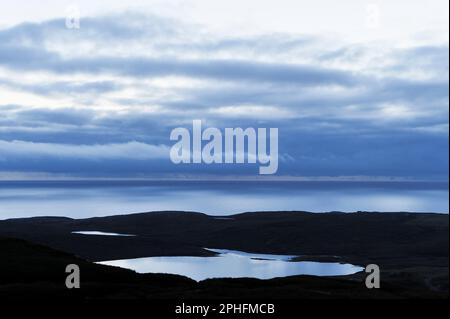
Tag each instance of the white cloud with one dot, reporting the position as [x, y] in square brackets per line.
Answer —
[252, 112]
[130, 150]
[398, 20]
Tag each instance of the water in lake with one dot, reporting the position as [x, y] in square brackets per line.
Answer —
[233, 264]
[81, 199]
[100, 233]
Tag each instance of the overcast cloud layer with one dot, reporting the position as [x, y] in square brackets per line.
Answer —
[101, 100]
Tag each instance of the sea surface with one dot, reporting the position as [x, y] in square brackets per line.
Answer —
[81, 199]
[233, 264]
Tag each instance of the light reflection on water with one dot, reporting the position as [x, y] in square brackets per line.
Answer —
[100, 233]
[233, 264]
[87, 199]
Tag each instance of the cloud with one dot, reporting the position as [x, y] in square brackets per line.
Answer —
[105, 97]
[251, 111]
[63, 87]
[229, 70]
[131, 150]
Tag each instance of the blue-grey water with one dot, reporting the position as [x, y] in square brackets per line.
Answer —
[80, 199]
[233, 264]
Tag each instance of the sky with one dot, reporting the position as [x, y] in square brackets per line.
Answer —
[356, 88]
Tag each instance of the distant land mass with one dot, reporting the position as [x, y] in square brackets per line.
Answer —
[410, 248]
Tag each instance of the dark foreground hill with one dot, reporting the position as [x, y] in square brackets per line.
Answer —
[32, 271]
[411, 249]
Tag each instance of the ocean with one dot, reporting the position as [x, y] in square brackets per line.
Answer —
[82, 199]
